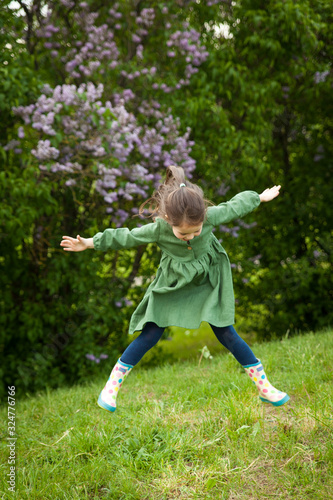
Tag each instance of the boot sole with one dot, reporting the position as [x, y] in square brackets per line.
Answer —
[104, 405]
[276, 403]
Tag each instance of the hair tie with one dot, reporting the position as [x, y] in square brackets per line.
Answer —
[182, 185]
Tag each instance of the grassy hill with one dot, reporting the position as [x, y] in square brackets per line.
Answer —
[183, 432]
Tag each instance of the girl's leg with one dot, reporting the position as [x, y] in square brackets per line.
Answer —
[230, 339]
[149, 336]
[253, 366]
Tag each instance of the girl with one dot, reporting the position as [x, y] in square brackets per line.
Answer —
[193, 282]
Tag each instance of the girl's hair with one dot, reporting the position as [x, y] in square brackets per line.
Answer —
[175, 203]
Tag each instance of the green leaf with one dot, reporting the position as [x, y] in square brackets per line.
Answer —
[211, 483]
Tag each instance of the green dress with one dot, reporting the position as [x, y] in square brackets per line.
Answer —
[193, 281]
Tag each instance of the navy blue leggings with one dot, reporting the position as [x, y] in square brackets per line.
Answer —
[152, 333]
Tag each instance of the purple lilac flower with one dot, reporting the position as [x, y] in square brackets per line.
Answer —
[136, 38]
[70, 182]
[213, 2]
[245, 225]
[11, 144]
[222, 190]
[146, 17]
[67, 3]
[256, 258]
[91, 357]
[99, 48]
[45, 151]
[320, 77]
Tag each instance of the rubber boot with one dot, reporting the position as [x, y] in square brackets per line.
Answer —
[108, 396]
[267, 393]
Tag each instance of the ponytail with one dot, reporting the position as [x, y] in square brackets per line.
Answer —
[177, 200]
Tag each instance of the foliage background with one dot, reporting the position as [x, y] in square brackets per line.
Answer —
[252, 80]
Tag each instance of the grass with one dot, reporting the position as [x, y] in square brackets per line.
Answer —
[183, 432]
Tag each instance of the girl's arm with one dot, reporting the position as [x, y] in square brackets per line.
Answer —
[121, 238]
[113, 239]
[239, 206]
[77, 244]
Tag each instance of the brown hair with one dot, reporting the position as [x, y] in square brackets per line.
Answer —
[175, 203]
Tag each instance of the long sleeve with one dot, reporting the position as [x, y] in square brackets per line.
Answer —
[116, 239]
[240, 205]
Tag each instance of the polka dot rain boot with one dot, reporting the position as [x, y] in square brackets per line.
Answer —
[108, 396]
[267, 393]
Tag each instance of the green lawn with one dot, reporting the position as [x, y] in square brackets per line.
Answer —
[183, 432]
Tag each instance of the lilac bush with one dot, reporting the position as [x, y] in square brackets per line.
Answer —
[77, 133]
[116, 128]
[120, 42]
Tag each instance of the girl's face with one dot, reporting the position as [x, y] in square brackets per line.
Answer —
[185, 232]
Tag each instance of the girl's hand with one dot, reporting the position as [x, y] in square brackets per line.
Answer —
[77, 244]
[270, 194]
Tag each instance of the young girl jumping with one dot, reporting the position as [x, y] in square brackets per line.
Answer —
[193, 282]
